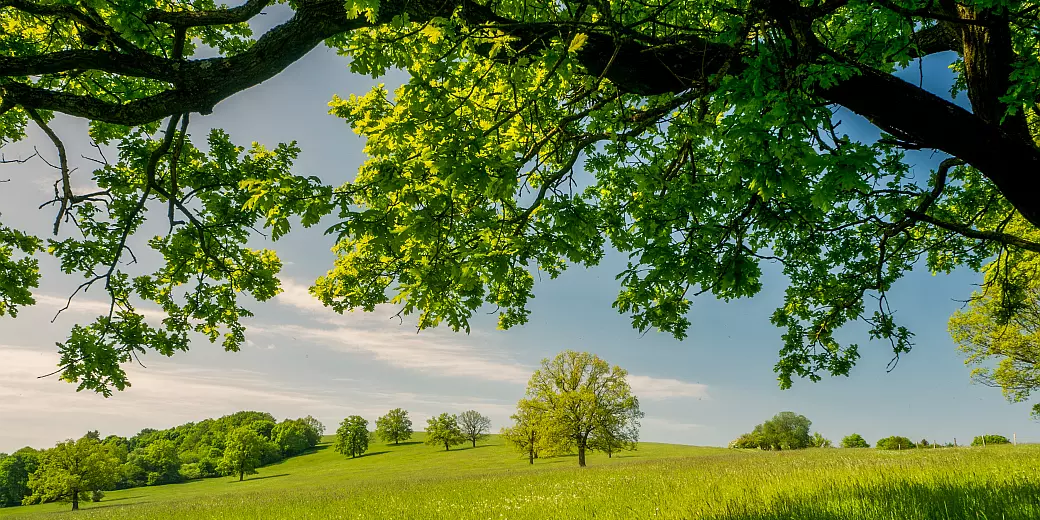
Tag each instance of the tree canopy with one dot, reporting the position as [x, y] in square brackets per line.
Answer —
[352, 436]
[395, 426]
[73, 471]
[443, 430]
[854, 440]
[699, 138]
[242, 453]
[785, 431]
[589, 402]
[474, 426]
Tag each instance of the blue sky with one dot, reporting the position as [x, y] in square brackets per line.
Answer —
[303, 359]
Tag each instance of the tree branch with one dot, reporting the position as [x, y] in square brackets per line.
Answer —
[970, 232]
[227, 16]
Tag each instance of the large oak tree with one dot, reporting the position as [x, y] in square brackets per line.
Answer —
[699, 137]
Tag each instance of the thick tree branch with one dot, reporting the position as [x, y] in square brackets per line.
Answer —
[970, 232]
[228, 16]
[138, 65]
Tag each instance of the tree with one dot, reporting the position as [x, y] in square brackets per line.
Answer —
[989, 440]
[444, 430]
[395, 426]
[474, 426]
[352, 436]
[746, 441]
[819, 441]
[14, 476]
[293, 437]
[785, 431]
[999, 332]
[895, 442]
[854, 440]
[577, 393]
[242, 453]
[73, 471]
[315, 430]
[532, 436]
[713, 120]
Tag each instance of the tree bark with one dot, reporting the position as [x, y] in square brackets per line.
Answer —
[75, 499]
[474, 442]
[581, 454]
[530, 457]
[241, 475]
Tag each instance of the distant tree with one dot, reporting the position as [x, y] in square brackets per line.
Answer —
[292, 436]
[615, 432]
[819, 441]
[315, 430]
[352, 436]
[242, 453]
[854, 441]
[532, 437]
[395, 426]
[93, 434]
[923, 443]
[895, 442]
[14, 475]
[474, 426]
[746, 441]
[989, 440]
[156, 463]
[785, 431]
[444, 430]
[576, 392]
[73, 471]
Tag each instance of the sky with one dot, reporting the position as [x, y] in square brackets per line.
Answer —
[302, 359]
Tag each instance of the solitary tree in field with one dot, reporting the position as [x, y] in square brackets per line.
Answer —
[242, 452]
[576, 393]
[73, 471]
[706, 133]
[854, 440]
[443, 430]
[895, 442]
[395, 426]
[474, 426]
[785, 431]
[352, 436]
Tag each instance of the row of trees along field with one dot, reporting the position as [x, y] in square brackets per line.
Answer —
[790, 431]
[575, 402]
[82, 469]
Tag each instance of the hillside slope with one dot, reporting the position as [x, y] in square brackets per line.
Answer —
[414, 481]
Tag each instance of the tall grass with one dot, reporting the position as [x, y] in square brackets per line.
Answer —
[414, 481]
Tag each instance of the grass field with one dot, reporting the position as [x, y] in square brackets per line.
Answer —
[414, 481]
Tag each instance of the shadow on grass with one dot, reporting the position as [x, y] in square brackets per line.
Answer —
[371, 453]
[897, 499]
[406, 443]
[262, 478]
[464, 448]
[103, 505]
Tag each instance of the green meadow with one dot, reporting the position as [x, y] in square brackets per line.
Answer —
[415, 481]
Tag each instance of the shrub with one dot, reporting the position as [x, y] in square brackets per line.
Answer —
[986, 440]
[746, 441]
[819, 441]
[895, 442]
[854, 441]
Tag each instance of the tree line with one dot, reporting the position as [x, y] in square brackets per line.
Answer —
[574, 403]
[790, 431]
[82, 469]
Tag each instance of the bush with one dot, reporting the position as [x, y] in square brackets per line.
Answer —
[746, 441]
[819, 441]
[785, 431]
[854, 441]
[923, 443]
[986, 440]
[895, 442]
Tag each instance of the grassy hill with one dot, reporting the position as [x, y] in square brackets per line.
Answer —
[414, 481]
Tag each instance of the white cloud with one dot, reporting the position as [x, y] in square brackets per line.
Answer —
[646, 387]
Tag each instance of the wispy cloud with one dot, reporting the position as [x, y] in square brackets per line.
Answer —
[647, 387]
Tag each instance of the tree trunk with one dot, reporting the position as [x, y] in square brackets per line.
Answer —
[530, 456]
[241, 475]
[581, 454]
[474, 442]
[447, 447]
[75, 499]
